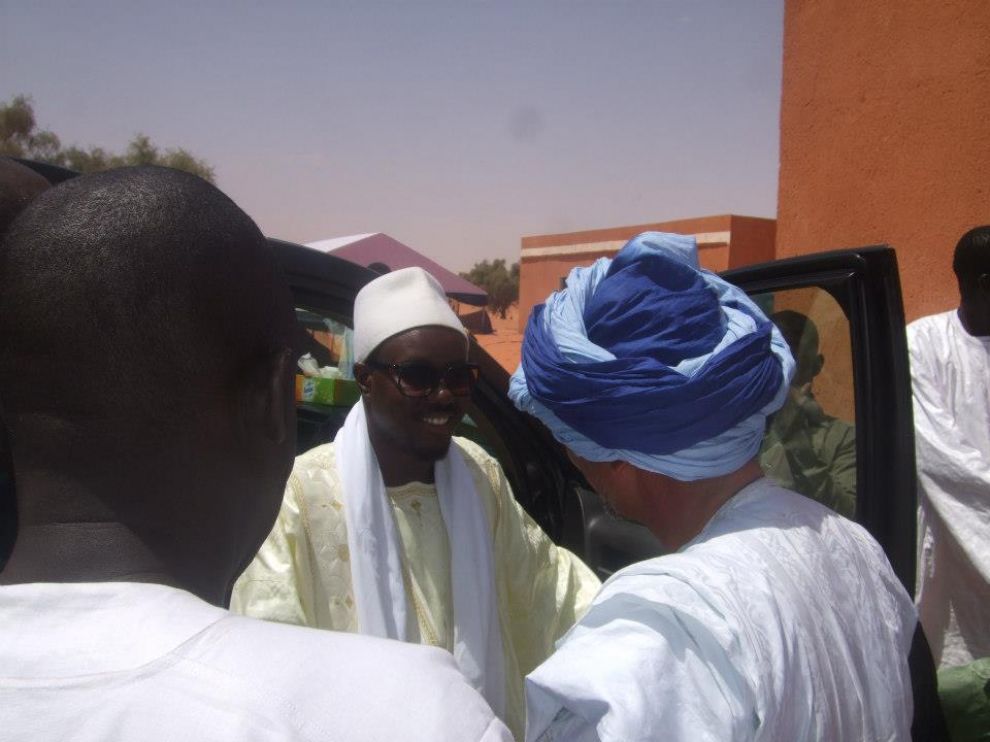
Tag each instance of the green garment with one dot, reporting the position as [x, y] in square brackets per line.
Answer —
[965, 695]
[812, 453]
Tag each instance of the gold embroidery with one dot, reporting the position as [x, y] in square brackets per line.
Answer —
[426, 629]
[343, 553]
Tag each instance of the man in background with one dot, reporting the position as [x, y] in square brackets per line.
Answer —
[146, 380]
[805, 449]
[950, 371]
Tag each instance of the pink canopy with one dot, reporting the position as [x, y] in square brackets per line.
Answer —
[380, 252]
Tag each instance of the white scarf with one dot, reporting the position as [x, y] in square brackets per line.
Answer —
[376, 565]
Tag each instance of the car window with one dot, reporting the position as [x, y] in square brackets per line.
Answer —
[853, 297]
[810, 443]
[325, 389]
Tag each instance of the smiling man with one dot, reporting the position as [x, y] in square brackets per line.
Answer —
[397, 529]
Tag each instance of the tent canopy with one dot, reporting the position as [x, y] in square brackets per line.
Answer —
[378, 248]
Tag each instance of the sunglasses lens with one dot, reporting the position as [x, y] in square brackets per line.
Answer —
[422, 379]
[417, 379]
[460, 380]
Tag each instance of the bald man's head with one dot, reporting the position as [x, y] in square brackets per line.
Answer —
[146, 330]
[133, 283]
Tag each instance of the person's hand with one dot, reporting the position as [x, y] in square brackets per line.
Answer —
[798, 394]
[803, 398]
[799, 409]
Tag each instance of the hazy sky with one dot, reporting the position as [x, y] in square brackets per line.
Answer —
[455, 127]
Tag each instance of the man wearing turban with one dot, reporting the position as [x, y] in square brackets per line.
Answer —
[399, 530]
[771, 617]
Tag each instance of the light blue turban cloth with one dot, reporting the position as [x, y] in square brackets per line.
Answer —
[650, 359]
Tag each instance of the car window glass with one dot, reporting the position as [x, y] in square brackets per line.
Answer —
[810, 443]
[326, 390]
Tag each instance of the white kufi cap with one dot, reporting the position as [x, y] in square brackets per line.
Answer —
[398, 301]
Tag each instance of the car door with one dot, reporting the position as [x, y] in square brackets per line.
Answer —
[862, 398]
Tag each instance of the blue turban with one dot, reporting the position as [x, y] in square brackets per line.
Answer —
[650, 359]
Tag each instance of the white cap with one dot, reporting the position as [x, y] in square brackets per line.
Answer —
[396, 302]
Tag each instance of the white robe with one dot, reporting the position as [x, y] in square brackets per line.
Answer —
[780, 621]
[126, 661]
[950, 372]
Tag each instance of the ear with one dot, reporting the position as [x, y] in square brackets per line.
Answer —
[282, 390]
[622, 471]
[267, 397]
[362, 375]
[818, 365]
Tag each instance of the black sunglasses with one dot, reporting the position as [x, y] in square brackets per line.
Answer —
[420, 379]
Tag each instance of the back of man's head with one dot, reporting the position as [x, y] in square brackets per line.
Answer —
[145, 330]
[649, 359]
[971, 263]
[972, 256]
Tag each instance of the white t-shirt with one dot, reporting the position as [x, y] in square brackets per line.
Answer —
[127, 661]
[780, 621]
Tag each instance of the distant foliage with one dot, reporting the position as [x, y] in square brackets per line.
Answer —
[20, 137]
[501, 283]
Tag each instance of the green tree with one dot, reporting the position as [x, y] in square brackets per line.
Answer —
[501, 283]
[21, 137]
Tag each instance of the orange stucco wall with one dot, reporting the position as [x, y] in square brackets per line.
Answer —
[750, 240]
[885, 133]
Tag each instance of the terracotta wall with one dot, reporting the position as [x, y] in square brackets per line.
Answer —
[885, 133]
[752, 241]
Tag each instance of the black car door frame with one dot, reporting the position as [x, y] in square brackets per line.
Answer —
[864, 281]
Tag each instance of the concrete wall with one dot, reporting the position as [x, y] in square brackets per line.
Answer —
[885, 133]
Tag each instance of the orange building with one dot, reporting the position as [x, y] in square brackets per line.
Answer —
[885, 133]
[884, 138]
[726, 241]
